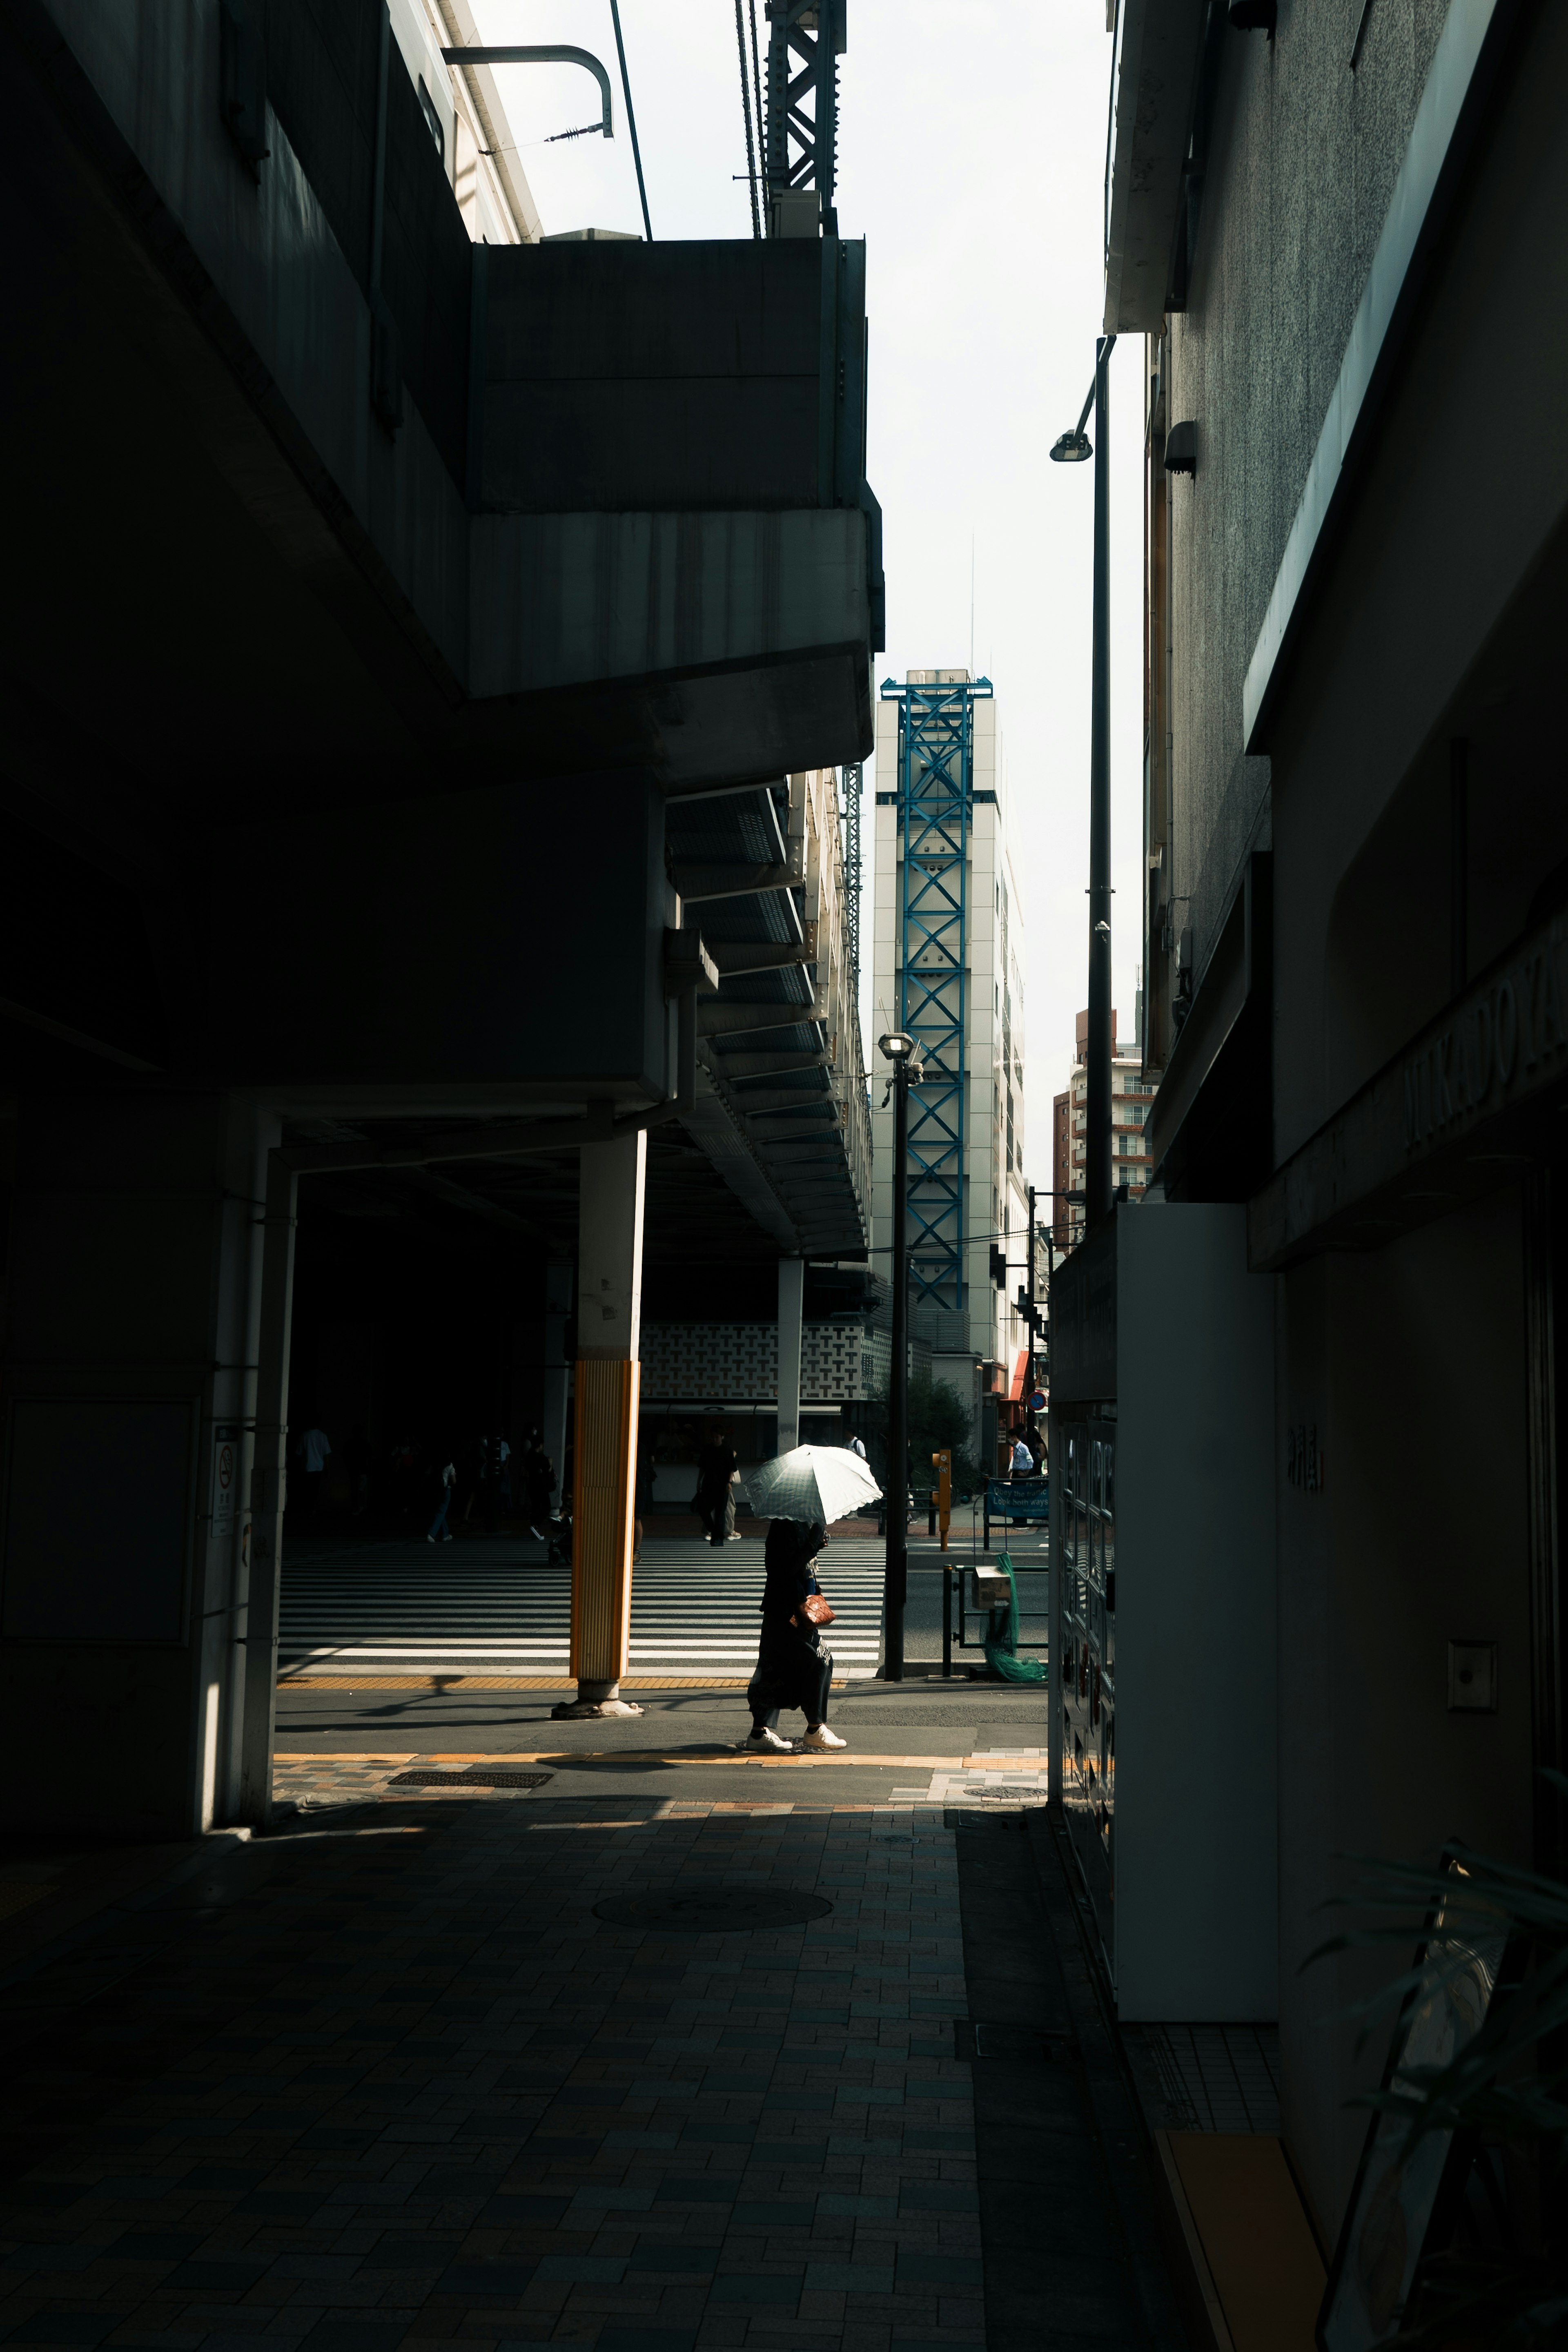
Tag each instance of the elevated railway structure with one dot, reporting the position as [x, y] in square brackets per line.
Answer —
[410, 640]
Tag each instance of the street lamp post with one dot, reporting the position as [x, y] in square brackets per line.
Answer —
[902, 1054]
[1072, 449]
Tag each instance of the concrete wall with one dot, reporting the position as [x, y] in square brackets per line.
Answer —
[1195, 1675]
[1303, 159]
[1408, 1365]
[623, 377]
[439, 946]
[1437, 616]
[128, 1356]
[1433, 583]
[274, 260]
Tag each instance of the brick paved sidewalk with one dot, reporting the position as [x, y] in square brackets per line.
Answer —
[385, 2080]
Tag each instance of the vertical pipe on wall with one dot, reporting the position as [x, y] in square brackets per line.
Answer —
[1459, 865]
[1053, 1702]
[1097, 1111]
[1548, 1749]
[895, 1573]
[791, 1307]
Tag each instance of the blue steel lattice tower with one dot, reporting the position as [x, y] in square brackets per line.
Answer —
[946, 967]
[935, 788]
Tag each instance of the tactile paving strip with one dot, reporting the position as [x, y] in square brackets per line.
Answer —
[470, 1780]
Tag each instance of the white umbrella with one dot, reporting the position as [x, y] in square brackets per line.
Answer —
[817, 1484]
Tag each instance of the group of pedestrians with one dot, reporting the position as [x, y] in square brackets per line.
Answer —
[502, 1481]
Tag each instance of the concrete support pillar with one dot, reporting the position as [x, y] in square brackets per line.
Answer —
[125, 1396]
[791, 1305]
[267, 1490]
[608, 1319]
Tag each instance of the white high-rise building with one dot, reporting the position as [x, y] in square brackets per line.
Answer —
[946, 965]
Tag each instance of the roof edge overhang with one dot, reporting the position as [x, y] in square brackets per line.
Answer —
[1154, 76]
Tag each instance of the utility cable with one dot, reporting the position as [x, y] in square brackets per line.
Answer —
[746, 109]
[630, 118]
[756, 86]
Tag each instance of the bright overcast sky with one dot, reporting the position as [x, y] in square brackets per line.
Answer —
[971, 157]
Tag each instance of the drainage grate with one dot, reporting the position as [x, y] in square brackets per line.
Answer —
[714, 1910]
[475, 1779]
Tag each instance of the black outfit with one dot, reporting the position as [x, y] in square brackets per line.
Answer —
[716, 1464]
[792, 1667]
[538, 1486]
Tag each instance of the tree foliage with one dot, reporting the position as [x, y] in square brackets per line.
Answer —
[938, 1417]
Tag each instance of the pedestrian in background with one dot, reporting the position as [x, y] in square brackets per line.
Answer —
[439, 1530]
[311, 1450]
[643, 1496]
[793, 1670]
[716, 1466]
[538, 1486]
[357, 1461]
[406, 1478]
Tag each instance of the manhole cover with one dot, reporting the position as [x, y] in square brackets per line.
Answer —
[713, 1910]
[476, 1780]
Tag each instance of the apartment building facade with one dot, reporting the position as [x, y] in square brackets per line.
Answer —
[1132, 1091]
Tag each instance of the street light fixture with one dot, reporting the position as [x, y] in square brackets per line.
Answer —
[903, 1054]
[1071, 449]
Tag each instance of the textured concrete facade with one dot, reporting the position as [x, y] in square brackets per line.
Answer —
[1348, 857]
[1304, 156]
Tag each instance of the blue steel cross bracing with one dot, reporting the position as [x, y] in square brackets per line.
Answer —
[935, 788]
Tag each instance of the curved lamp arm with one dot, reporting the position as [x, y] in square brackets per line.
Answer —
[551, 55]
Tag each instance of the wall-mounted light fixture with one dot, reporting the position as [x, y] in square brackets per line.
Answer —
[1181, 448]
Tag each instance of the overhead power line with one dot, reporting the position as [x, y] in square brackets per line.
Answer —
[746, 109]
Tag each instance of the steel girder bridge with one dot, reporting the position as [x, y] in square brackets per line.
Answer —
[936, 799]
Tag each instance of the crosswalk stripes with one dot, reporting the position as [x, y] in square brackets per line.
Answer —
[490, 1606]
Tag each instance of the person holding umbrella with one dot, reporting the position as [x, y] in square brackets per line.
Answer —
[800, 1491]
[792, 1667]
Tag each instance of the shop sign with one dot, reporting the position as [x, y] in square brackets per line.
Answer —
[1494, 1048]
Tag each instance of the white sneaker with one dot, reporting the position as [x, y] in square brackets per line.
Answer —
[823, 1738]
[767, 1738]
